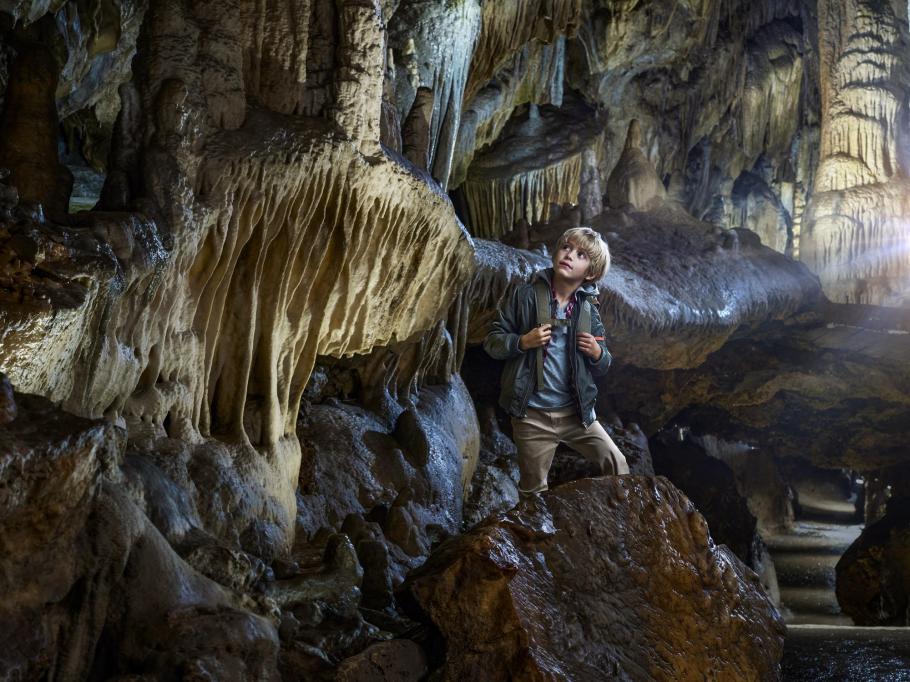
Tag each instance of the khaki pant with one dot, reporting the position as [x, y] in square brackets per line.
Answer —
[538, 434]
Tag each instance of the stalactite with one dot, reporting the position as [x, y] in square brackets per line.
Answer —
[535, 75]
[508, 25]
[536, 163]
[433, 43]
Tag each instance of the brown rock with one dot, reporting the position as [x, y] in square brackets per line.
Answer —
[611, 577]
[400, 660]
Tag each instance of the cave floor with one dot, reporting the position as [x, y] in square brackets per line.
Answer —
[822, 643]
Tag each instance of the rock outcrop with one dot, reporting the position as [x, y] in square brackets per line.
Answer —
[610, 577]
[91, 586]
[830, 386]
[406, 477]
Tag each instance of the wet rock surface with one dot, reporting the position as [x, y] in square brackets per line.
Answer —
[830, 386]
[610, 577]
[92, 588]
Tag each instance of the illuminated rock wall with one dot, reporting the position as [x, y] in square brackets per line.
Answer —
[858, 234]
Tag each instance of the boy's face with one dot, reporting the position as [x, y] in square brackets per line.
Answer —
[571, 264]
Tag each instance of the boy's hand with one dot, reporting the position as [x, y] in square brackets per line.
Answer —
[539, 336]
[588, 345]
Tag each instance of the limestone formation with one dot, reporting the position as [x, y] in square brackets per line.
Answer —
[534, 76]
[509, 26]
[537, 161]
[832, 388]
[856, 236]
[231, 358]
[437, 68]
[28, 146]
[611, 577]
[634, 182]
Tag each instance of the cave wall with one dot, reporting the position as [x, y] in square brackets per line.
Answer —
[213, 213]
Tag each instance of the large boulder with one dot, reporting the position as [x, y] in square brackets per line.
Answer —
[395, 484]
[612, 577]
[729, 494]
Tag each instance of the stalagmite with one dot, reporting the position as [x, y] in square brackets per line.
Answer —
[634, 182]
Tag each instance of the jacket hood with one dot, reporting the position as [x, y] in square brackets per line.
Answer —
[586, 289]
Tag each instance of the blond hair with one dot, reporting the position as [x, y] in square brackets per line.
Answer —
[587, 240]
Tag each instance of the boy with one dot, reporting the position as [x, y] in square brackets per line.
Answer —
[557, 404]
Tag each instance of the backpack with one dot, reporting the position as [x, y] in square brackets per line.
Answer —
[542, 297]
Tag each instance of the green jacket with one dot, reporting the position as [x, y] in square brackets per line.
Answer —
[519, 376]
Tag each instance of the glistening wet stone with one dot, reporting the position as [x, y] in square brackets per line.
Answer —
[613, 577]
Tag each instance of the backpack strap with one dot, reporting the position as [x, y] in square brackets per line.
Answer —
[542, 296]
[584, 317]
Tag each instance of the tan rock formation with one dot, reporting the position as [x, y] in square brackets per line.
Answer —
[717, 90]
[634, 182]
[284, 242]
[856, 236]
[509, 25]
[610, 577]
